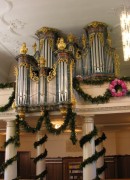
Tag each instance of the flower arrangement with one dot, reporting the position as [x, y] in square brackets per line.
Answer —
[118, 88]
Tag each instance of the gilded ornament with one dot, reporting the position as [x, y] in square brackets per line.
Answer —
[96, 23]
[78, 54]
[34, 46]
[45, 30]
[15, 71]
[62, 60]
[116, 64]
[33, 75]
[21, 114]
[51, 42]
[63, 110]
[84, 41]
[101, 37]
[71, 38]
[61, 45]
[52, 73]
[91, 38]
[14, 105]
[23, 49]
[24, 64]
[41, 44]
[42, 61]
[109, 41]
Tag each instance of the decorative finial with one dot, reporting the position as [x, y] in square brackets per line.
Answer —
[23, 49]
[61, 44]
[70, 38]
[34, 47]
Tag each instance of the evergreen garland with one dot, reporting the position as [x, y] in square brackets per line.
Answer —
[8, 105]
[41, 141]
[88, 137]
[93, 158]
[6, 85]
[100, 139]
[7, 163]
[28, 128]
[99, 99]
[40, 157]
[41, 175]
[72, 128]
[101, 169]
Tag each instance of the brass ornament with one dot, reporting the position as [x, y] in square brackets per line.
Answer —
[61, 45]
[25, 64]
[23, 49]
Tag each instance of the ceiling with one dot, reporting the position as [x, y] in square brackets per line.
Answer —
[19, 21]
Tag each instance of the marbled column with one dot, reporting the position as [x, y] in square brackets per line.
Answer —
[10, 151]
[89, 171]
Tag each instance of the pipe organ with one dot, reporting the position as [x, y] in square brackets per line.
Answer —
[46, 77]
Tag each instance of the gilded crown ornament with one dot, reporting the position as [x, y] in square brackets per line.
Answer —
[23, 49]
[61, 44]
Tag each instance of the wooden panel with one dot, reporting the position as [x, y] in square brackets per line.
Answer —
[32, 169]
[111, 170]
[54, 168]
[67, 162]
[24, 170]
[2, 159]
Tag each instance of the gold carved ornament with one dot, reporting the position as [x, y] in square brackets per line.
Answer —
[52, 73]
[116, 64]
[91, 38]
[71, 38]
[84, 41]
[25, 64]
[34, 46]
[23, 49]
[62, 60]
[101, 38]
[96, 23]
[33, 75]
[72, 98]
[41, 44]
[16, 71]
[61, 45]
[42, 61]
[51, 42]
[78, 55]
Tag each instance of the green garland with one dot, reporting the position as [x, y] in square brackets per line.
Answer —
[41, 141]
[7, 163]
[28, 128]
[99, 99]
[41, 175]
[70, 118]
[101, 169]
[72, 128]
[6, 85]
[88, 137]
[8, 105]
[100, 139]
[93, 158]
[40, 157]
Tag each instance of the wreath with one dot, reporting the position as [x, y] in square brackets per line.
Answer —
[118, 88]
